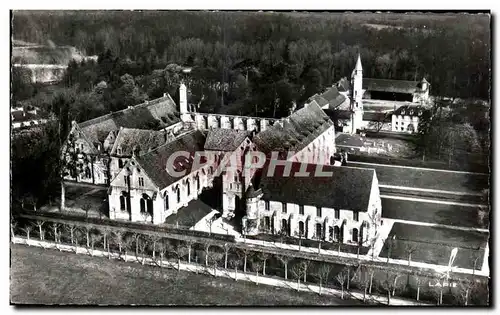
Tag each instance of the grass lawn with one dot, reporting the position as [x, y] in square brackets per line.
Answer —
[434, 245]
[52, 277]
[419, 178]
[433, 213]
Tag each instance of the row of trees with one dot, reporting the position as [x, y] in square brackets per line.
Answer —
[165, 252]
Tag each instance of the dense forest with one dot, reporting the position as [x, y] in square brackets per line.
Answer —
[245, 63]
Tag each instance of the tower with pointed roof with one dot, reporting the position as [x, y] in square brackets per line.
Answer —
[357, 96]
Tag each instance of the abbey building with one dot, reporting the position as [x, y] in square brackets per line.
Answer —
[171, 167]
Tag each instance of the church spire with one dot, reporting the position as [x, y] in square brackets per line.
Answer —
[358, 67]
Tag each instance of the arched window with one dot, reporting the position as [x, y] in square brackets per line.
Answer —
[319, 231]
[143, 205]
[197, 182]
[122, 203]
[284, 226]
[355, 235]
[301, 228]
[166, 202]
[188, 185]
[330, 232]
[120, 163]
[178, 194]
[336, 233]
[149, 203]
[267, 223]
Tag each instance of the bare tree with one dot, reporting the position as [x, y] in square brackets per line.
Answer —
[214, 257]
[86, 207]
[341, 279]
[94, 238]
[72, 228]
[153, 241]
[118, 239]
[438, 289]
[105, 232]
[297, 272]
[54, 227]
[142, 245]
[246, 252]
[227, 247]
[418, 281]
[321, 272]
[88, 228]
[40, 223]
[371, 272]
[206, 250]
[284, 260]
[27, 230]
[189, 245]
[127, 244]
[410, 249]
[362, 279]
[263, 257]
[305, 265]
[389, 284]
[234, 262]
[256, 266]
[465, 287]
[179, 251]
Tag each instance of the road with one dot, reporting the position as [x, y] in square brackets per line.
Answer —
[44, 276]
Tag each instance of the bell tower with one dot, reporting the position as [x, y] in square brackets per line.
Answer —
[357, 96]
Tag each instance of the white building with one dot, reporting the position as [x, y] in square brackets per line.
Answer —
[406, 118]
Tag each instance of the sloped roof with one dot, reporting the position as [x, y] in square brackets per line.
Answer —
[335, 114]
[154, 163]
[345, 188]
[377, 116]
[319, 99]
[394, 86]
[333, 97]
[411, 110]
[225, 139]
[294, 132]
[155, 114]
[344, 85]
[145, 140]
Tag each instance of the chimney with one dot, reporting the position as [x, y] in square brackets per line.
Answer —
[164, 94]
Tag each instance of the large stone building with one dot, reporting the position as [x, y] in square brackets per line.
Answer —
[89, 144]
[315, 202]
[158, 163]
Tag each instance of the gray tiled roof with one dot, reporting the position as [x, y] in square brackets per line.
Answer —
[225, 139]
[145, 140]
[347, 188]
[155, 114]
[395, 86]
[294, 132]
[333, 97]
[154, 163]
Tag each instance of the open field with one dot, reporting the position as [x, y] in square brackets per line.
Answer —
[447, 214]
[434, 245]
[392, 147]
[427, 178]
[52, 277]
